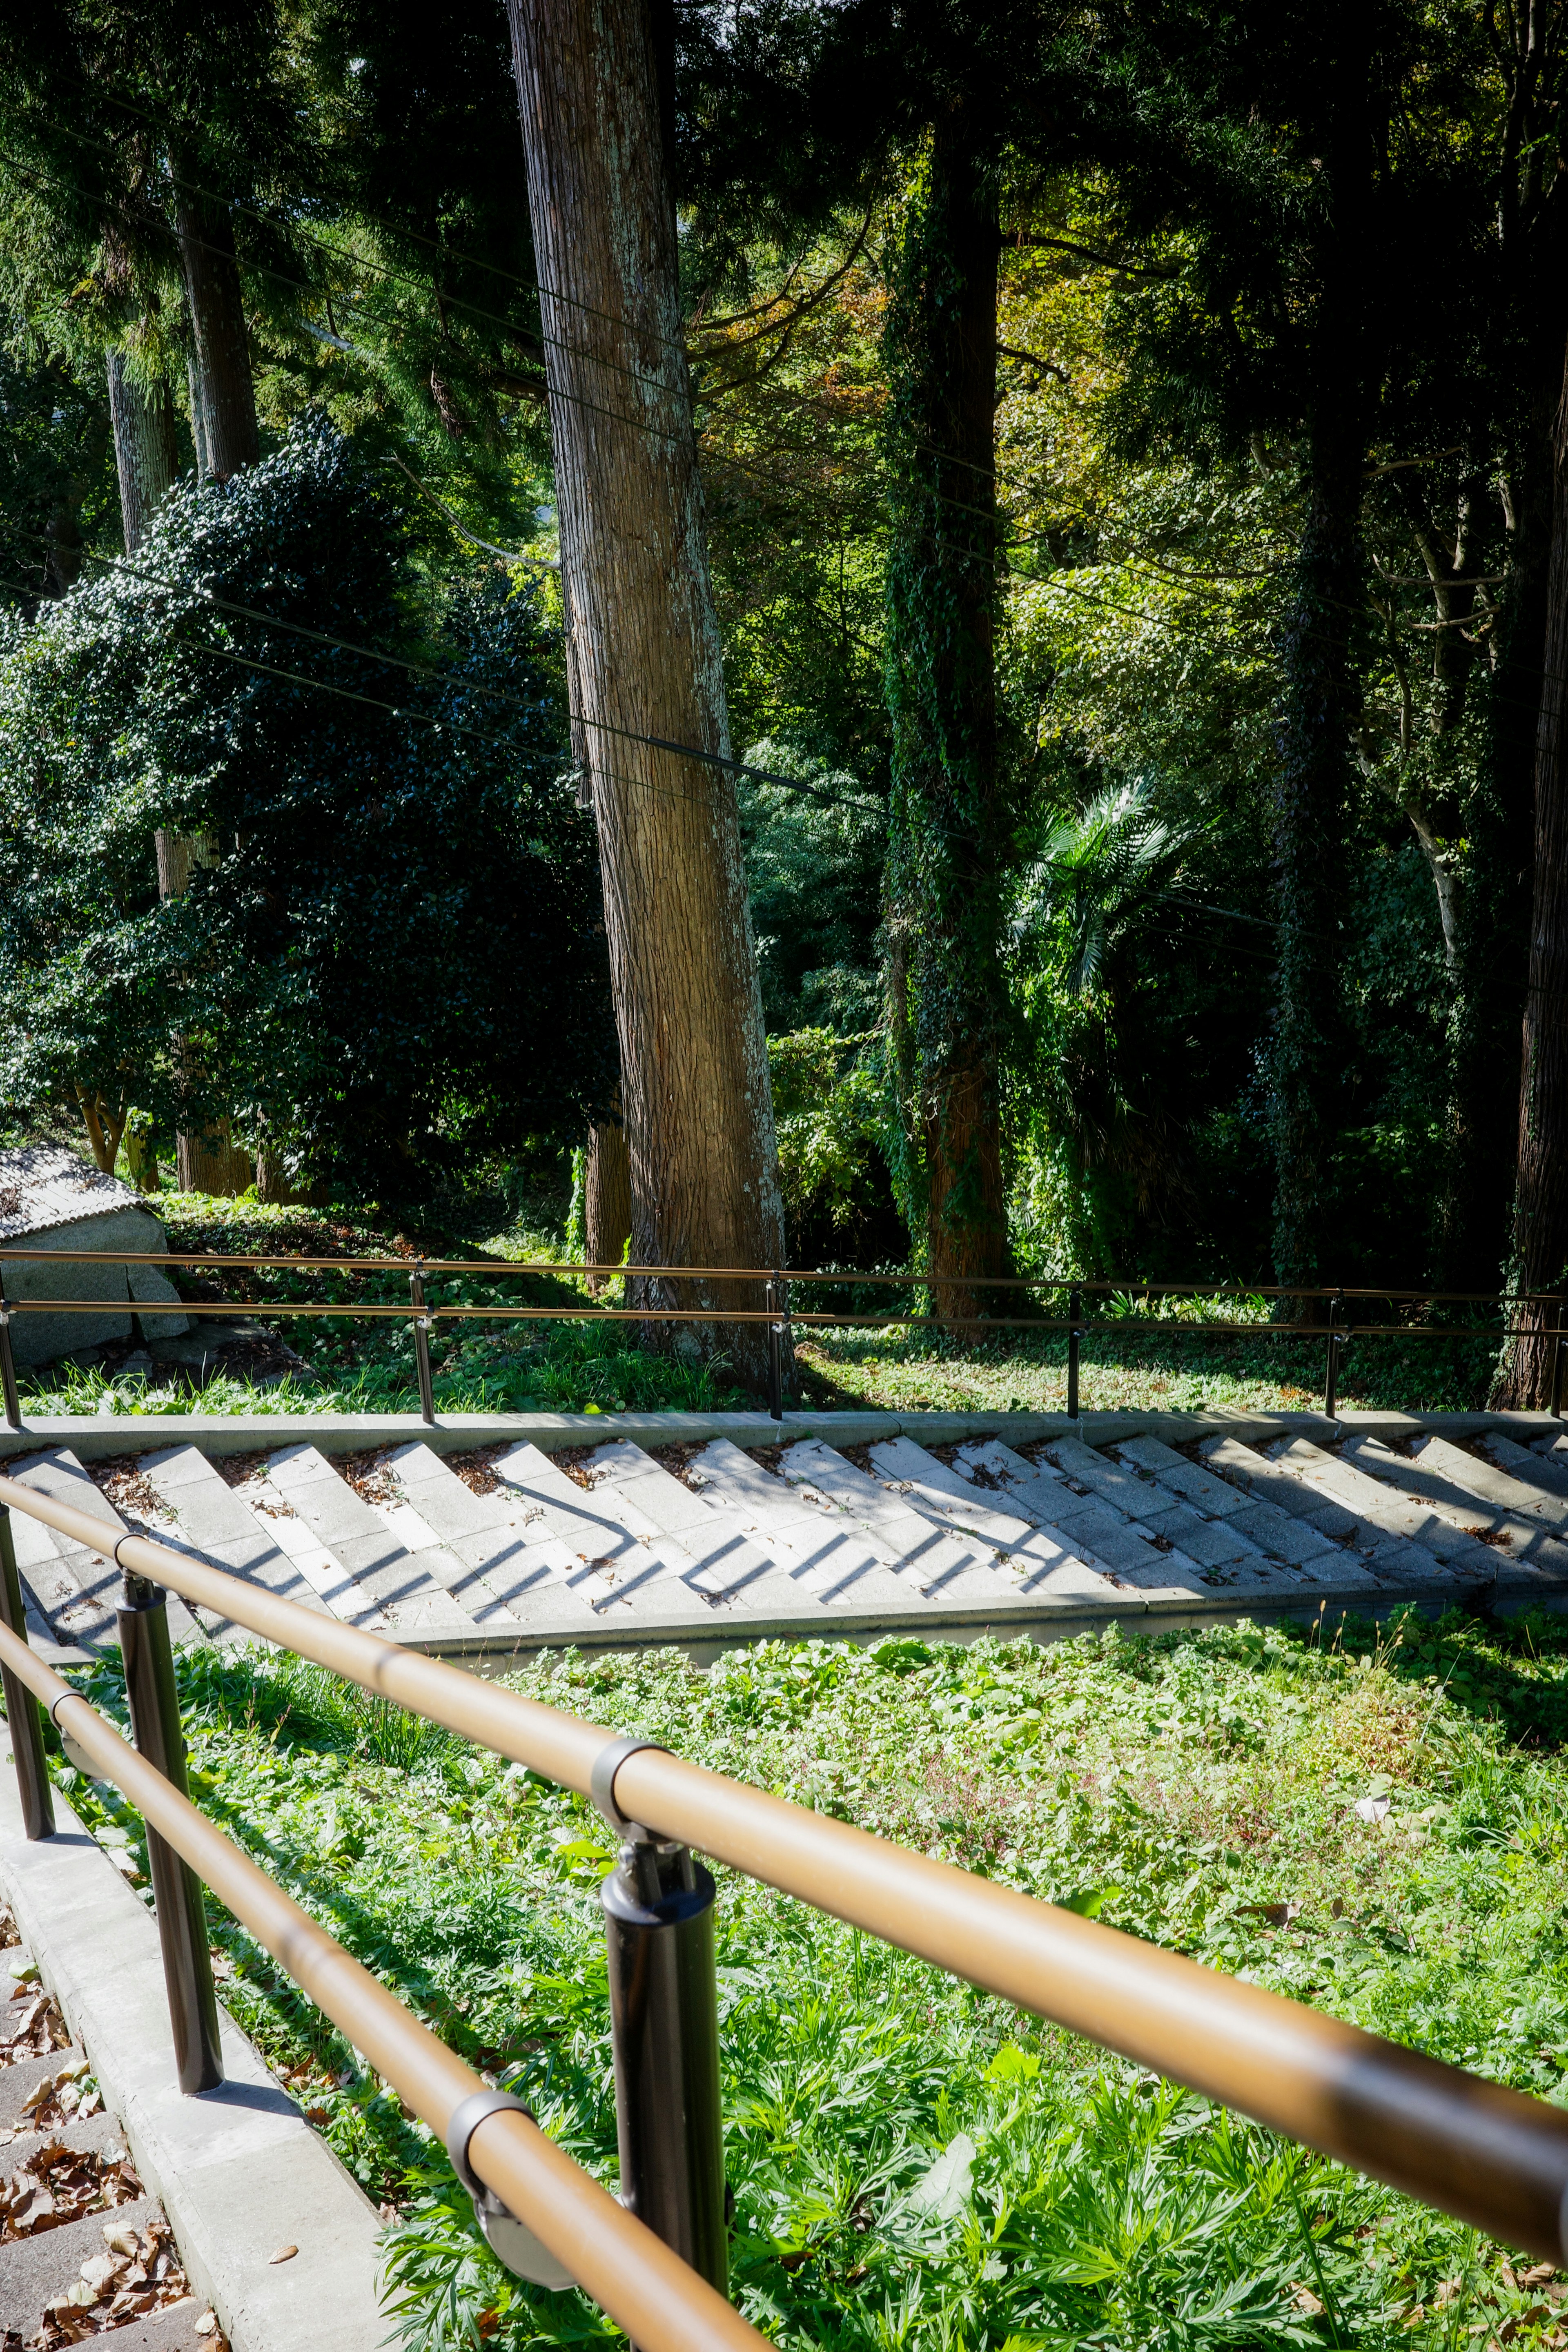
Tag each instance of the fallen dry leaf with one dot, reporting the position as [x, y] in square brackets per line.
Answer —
[284, 2254]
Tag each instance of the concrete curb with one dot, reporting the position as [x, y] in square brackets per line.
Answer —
[92, 1437]
[238, 2171]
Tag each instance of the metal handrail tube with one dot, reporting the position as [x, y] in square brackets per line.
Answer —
[1110, 1287]
[1113, 1326]
[631, 2273]
[1490, 2155]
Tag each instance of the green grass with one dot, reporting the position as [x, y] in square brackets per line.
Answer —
[366, 1367]
[916, 2165]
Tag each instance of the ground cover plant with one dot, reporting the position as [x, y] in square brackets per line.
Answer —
[1375, 1819]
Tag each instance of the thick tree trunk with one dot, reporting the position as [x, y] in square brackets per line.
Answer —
[1309, 1045]
[146, 448]
[1541, 1201]
[208, 1161]
[62, 565]
[645, 655]
[227, 429]
[948, 844]
[607, 1204]
[1309, 1048]
[1472, 1222]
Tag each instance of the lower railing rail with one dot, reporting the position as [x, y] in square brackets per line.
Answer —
[1490, 2155]
[631, 2273]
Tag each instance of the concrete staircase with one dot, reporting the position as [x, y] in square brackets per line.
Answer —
[511, 1548]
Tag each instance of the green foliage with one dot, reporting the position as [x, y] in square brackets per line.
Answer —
[830, 1112]
[915, 2164]
[389, 959]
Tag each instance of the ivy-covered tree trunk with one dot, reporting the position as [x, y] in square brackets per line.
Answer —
[227, 428]
[146, 448]
[607, 1195]
[1475, 1202]
[645, 659]
[949, 836]
[223, 423]
[1309, 1045]
[1541, 1201]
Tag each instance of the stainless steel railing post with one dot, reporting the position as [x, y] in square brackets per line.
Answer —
[663, 2031]
[422, 1348]
[776, 1362]
[143, 1624]
[24, 1715]
[8, 1362]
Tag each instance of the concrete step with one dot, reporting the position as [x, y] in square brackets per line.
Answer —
[1488, 1483]
[1041, 1562]
[76, 1590]
[1390, 1561]
[1095, 1530]
[825, 1554]
[276, 1517]
[205, 1516]
[1288, 1542]
[80, 2160]
[932, 1558]
[1433, 1477]
[1543, 1473]
[401, 1584]
[624, 1574]
[491, 1533]
[1391, 1512]
[724, 1563]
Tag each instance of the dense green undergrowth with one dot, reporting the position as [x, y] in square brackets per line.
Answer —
[916, 2165]
[1136, 1360]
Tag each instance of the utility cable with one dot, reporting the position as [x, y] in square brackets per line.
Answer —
[443, 677]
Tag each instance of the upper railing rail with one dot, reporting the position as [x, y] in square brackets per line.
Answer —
[780, 1317]
[1490, 2155]
[1128, 1286]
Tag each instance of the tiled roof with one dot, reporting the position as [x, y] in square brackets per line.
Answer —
[42, 1186]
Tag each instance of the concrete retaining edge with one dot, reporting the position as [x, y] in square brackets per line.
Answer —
[92, 1437]
[238, 2171]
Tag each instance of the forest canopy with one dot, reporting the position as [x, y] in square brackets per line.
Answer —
[1126, 451]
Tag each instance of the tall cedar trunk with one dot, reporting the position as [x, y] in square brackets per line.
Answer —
[1310, 1041]
[1473, 1216]
[948, 840]
[223, 423]
[1541, 1202]
[607, 1203]
[62, 565]
[226, 428]
[645, 657]
[210, 1161]
[146, 448]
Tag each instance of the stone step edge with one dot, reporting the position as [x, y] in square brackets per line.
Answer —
[238, 2171]
[711, 1635]
[95, 1437]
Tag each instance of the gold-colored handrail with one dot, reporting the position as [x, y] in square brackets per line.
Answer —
[1491, 2156]
[646, 2288]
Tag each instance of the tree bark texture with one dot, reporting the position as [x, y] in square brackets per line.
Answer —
[1541, 1200]
[208, 1161]
[227, 429]
[644, 655]
[146, 448]
[949, 836]
[62, 566]
[1309, 1048]
[607, 1204]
